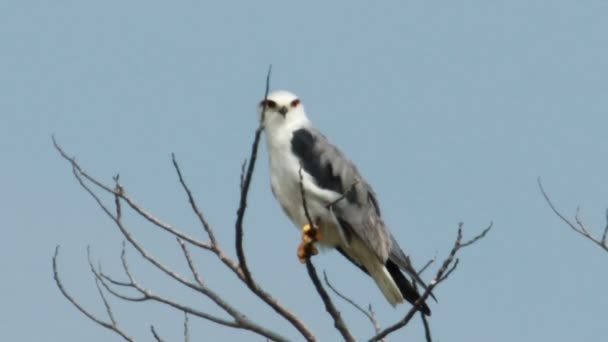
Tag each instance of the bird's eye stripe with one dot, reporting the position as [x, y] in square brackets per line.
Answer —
[295, 103]
[268, 103]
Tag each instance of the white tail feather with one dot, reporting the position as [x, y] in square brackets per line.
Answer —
[387, 285]
[362, 255]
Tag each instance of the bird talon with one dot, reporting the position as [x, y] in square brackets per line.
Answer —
[311, 233]
[306, 249]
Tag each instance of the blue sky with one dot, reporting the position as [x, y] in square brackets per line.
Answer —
[451, 110]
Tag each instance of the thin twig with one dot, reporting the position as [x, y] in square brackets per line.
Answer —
[427, 328]
[80, 173]
[450, 270]
[214, 246]
[237, 315]
[106, 280]
[190, 262]
[150, 296]
[244, 164]
[428, 263]
[329, 305]
[480, 236]
[579, 222]
[193, 204]
[101, 294]
[155, 334]
[372, 314]
[581, 227]
[109, 326]
[367, 313]
[240, 320]
[243, 267]
[245, 183]
[186, 328]
[605, 230]
[105, 302]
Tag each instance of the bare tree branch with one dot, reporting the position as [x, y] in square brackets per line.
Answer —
[367, 313]
[186, 328]
[477, 238]
[148, 295]
[240, 320]
[80, 173]
[440, 276]
[120, 193]
[110, 326]
[237, 315]
[193, 204]
[245, 183]
[428, 263]
[101, 294]
[605, 234]
[427, 328]
[579, 227]
[155, 334]
[329, 306]
[255, 287]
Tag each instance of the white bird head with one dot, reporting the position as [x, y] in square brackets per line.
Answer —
[282, 108]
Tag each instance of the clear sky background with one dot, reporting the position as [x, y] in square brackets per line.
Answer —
[450, 109]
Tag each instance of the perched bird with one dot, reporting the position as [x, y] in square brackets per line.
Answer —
[342, 206]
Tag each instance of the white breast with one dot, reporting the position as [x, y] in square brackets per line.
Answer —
[285, 183]
[284, 177]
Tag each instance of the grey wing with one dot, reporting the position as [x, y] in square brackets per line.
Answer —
[403, 261]
[357, 212]
[375, 233]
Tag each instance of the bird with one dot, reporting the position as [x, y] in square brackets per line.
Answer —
[324, 195]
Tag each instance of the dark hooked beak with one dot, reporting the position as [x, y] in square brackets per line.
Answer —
[283, 110]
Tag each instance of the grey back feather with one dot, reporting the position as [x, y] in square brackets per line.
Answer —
[358, 210]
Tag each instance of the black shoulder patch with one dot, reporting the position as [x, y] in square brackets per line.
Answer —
[303, 145]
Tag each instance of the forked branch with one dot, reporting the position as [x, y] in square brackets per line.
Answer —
[578, 225]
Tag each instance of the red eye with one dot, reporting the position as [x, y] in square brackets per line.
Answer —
[295, 103]
[268, 104]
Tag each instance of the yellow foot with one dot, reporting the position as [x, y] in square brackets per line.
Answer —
[306, 249]
[311, 234]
